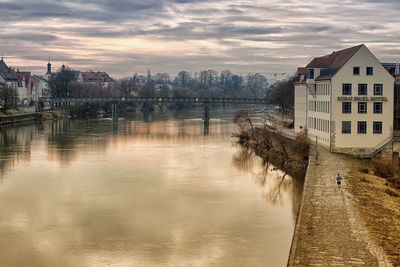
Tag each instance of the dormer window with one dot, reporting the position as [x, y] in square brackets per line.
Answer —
[310, 73]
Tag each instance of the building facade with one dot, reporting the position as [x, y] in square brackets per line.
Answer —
[300, 102]
[349, 101]
[7, 77]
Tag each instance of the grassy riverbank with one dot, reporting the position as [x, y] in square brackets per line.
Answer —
[379, 206]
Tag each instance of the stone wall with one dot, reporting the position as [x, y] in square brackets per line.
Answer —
[296, 234]
[18, 118]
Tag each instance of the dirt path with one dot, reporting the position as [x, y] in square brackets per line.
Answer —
[330, 231]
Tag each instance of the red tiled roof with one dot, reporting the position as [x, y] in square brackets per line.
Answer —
[301, 71]
[21, 75]
[91, 76]
[335, 60]
[323, 78]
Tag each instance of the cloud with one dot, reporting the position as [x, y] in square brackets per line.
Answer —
[125, 36]
[29, 37]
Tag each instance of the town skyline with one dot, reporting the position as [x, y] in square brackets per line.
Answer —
[124, 37]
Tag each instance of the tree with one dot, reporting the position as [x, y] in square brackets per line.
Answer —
[60, 82]
[242, 118]
[146, 91]
[162, 78]
[149, 79]
[282, 94]
[183, 78]
[256, 85]
[128, 86]
[8, 98]
[212, 77]
[203, 77]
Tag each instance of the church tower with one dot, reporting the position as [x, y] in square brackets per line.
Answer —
[48, 68]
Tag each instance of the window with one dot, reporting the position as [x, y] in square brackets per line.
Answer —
[362, 127]
[377, 127]
[378, 107]
[310, 73]
[370, 71]
[346, 107]
[362, 107]
[378, 89]
[346, 127]
[362, 89]
[346, 89]
[356, 70]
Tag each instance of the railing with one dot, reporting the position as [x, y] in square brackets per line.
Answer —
[378, 148]
[205, 101]
[216, 100]
[312, 90]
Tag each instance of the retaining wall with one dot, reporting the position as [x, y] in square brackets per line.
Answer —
[311, 159]
[10, 119]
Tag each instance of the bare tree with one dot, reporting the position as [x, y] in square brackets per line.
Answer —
[60, 82]
[282, 94]
[8, 98]
[242, 118]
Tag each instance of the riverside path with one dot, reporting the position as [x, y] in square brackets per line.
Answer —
[329, 232]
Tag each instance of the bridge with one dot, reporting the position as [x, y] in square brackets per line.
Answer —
[205, 101]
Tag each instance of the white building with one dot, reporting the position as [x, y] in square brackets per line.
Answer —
[345, 101]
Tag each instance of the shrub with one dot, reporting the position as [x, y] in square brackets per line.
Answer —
[391, 192]
[301, 145]
[383, 170]
[394, 182]
[365, 180]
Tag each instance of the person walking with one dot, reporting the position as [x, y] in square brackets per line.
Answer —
[339, 180]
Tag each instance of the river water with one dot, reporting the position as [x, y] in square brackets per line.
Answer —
[150, 190]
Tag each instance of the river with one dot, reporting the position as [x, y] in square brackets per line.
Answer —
[150, 190]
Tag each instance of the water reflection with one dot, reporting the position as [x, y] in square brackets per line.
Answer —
[277, 184]
[153, 192]
[15, 146]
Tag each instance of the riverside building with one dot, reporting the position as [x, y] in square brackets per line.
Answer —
[345, 101]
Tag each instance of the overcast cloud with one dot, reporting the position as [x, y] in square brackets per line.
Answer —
[123, 37]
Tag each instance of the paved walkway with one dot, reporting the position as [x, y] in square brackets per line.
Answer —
[329, 231]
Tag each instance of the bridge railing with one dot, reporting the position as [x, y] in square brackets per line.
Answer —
[217, 100]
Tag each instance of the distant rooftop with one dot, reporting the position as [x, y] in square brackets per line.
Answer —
[93, 76]
[6, 73]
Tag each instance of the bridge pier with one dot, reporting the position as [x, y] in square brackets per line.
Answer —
[40, 106]
[206, 111]
[114, 110]
[115, 125]
[206, 117]
[206, 127]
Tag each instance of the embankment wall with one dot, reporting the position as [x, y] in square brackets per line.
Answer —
[11, 119]
[296, 234]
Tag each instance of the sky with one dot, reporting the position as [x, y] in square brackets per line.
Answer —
[124, 37]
